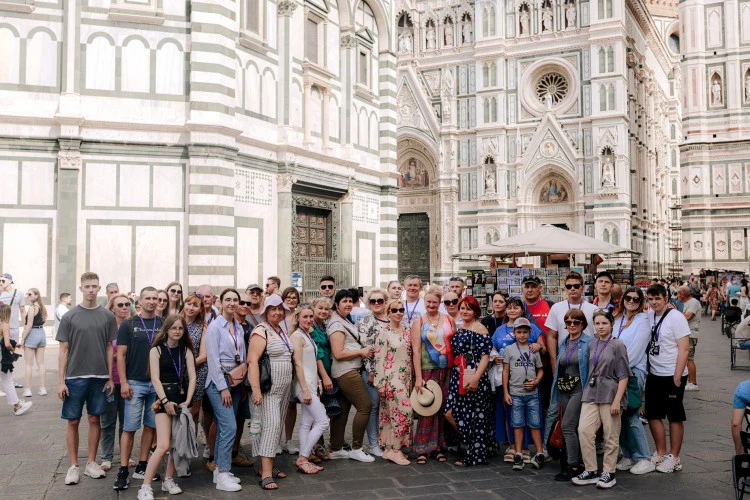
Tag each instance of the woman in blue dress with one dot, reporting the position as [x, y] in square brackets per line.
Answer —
[469, 391]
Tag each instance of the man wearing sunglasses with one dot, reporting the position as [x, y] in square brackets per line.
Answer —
[255, 293]
[327, 287]
[273, 285]
[556, 330]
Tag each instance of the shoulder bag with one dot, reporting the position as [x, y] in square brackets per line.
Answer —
[175, 392]
[556, 440]
[264, 367]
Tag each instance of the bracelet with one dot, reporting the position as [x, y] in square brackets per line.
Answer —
[162, 400]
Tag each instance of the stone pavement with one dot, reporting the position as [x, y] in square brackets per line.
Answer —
[33, 458]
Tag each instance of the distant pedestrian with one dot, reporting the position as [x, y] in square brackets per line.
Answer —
[8, 358]
[62, 307]
[692, 310]
[34, 340]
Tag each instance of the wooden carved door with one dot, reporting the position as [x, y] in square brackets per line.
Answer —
[414, 246]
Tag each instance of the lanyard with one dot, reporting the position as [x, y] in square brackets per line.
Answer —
[177, 366]
[283, 336]
[657, 330]
[233, 334]
[605, 306]
[580, 306]
[622, 325]
[311, 341]
[595, 356]
[525, 359]
[410, 315]
[569, 353]
[153, 330]
[531, 311]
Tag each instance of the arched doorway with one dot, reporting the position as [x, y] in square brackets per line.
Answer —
[550, 196]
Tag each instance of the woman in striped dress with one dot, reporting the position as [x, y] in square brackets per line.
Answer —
[271, 406]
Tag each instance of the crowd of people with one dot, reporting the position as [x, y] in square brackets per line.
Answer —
[564, 379]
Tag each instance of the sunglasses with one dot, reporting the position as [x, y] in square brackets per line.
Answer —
[573, 322]
[451, 302]
[123, 304]
[269, 284]
[195, 294]
[174, 290]
[377, 301]
[327, 287]
[630, 298]
[574, 286]
[245, 303]
[161, 300]
[399, 310]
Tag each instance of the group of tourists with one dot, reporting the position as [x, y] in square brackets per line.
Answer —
[529, 373]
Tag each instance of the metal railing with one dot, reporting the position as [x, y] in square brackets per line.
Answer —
[314, 269]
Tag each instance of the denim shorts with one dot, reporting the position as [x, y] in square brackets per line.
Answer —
[525, 412]
[84, 390]
[139, 406]
[36, 338]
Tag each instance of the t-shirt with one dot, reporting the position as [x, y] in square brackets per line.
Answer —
[351, 343]
[523, 366]
[555, 319]
[609, 305]
[693, 306]
[734, 291]
[87, 332]
[60, 310]
[139, 345]
[663, 352]
[15, 300]
[608, 364]
[413, 311]
[540, 312]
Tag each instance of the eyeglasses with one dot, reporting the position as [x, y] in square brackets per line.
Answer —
[451, 302]
[122, 304]
[573, 322]
[174, 290]
[292, 297]
[574, 286]
[630, 298]
[377, 301]
[195, 294]
[327, 287]
[162, 300]
[399, 310]
[245, 303]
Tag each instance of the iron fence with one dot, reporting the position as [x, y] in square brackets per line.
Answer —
[314, 269]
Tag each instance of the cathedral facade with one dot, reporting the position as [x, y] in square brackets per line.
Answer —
[518, 113]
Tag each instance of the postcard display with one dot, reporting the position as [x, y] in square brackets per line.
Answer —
[482, 284]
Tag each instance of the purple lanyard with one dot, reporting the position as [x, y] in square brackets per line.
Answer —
[311, 341]
[595, 356]
[233, 334]
[283, 336]
[175, 365]
[153, 331]
[525, 361]
[579, 307]
[569, 353]
[409, 315]
[622, 325]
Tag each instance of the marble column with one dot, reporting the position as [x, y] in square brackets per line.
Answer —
[325, 119]
[285, 231]
[308, 114]
[69, 168]
[347, 230]
[285, 11]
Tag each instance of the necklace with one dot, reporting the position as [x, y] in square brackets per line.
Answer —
[384, 321]
[429, 320]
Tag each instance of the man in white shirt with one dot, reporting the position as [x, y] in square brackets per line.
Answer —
[666, 379]
[61, 309]
[691, 308]
[556, 330]
[414, 304]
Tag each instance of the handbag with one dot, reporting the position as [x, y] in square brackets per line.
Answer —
[236, 375]
[175, 391]
[264, 368]
[556, 440]
[634, 394]
[567, 383]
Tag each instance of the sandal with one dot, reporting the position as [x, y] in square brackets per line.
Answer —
[321, 453]
[461, 462]
[265, 483]
[440, 457]
[275, 473]
[422, 459]
[307, 468]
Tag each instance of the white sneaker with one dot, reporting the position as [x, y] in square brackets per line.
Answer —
[279, 450]
[25, 405]
[206, 452]
[27, 393]
[42, 391]
[643, 467]
[94, 471]
[170, 486]
[225, 482]
[624, 464]
[2, 394]
[229, 474]
[106, 465]
[145, 493]
[73, 476]
[337, 455]
[692, 387]
[290, 448]
[360, 456]
[669, 464]
[376, 451]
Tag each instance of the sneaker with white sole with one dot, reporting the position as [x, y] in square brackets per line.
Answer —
[657, 459]
[338, 455]
[170, 486]
[624, 464]
[290, 447]
[538, 460]
[360, 456]
[376, 451]
[279, 450]
[23, 407]
[229, 474]
[73, 475]
[643, 467]
[225, 482]
[206, 452]
[121, 483]
[692, 387]
[93, 470]
[669, 464]
[518, 462]
[586, 477]
[42, 391]
[606, 481]
[2, 394]
[145, 492]
[27, 393]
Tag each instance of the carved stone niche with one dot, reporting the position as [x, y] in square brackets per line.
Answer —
[489, 180]
[607, 178]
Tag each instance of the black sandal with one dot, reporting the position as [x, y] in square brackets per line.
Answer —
[265, 483]
[275, 473]
[422, 459]
[440, 457]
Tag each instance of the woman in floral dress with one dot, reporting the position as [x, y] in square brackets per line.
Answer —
[469, 391]
[393, 375]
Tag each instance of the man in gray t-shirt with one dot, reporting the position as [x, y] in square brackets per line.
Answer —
[87, 332]
[15, 299]
[691, 308]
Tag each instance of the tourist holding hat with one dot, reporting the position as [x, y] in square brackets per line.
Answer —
[393, 380]
[431, 336]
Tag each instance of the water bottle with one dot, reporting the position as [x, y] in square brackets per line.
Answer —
[255, 426]
[501, 352]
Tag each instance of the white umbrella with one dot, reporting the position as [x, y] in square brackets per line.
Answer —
[547, 239]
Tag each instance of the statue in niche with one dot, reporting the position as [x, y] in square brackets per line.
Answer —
[570, 15]
[546, 19]
[489, 183]
[430, 38]
[747, 88]
[404, 43]
[448, 34]
[524, 22]
[548, 101]
[467, 32]
[716, 92]
[608, 173]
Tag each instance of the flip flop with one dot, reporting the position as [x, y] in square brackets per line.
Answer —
[265, 483]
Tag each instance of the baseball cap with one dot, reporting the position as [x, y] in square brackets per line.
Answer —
[8, 276]
[253, 286]
[522, 322]
[605, 274]
[532, 279]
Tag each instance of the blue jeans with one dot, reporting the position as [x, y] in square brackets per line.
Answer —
[633, 439]
[139, 406]
[114, 411]
[525, 411]
[84, 390]
[226, 425]
[372, 424]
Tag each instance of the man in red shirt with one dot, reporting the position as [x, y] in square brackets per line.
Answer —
[536, 310]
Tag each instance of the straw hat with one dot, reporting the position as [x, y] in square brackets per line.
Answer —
[429, 401]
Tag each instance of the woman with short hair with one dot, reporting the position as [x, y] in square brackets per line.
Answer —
[174, 291]
[450, 301]
[290, 297]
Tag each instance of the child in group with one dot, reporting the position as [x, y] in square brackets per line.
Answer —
[8, 357]
[522, 373]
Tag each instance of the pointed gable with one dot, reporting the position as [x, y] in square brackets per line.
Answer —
[413, 110]
[550, 145]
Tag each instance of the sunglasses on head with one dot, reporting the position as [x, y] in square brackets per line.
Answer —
[574, 286]
[174, 290]
[245, 303]
[573, 322]
[451, 302]
[399, 310]
[327, 287]
[196, 294]
[377, 301]
[630, 298]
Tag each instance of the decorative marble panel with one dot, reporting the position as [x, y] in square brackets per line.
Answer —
[134, 180]
[701, 245]
[252, 187]
[721, 246]
[737, 244]
[365, 209]
[747, 177]
[100, 184]
[9, 175]
[719, 179]
[714, 27]
[735, 178]
[473, 152]
[111, 253]
[168, 187]
[248, 239]
[26, 252]
[155, 240]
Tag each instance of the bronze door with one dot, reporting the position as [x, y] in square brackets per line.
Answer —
[313, 235]
[414, 246]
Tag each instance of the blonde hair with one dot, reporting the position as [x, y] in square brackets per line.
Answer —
[372, 292]
[295, 316]
[4, 313]
[321, 300]
[435, 291]
[390, 304]
[39, 302]
[111, 304]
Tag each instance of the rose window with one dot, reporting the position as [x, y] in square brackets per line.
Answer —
[553, 84]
